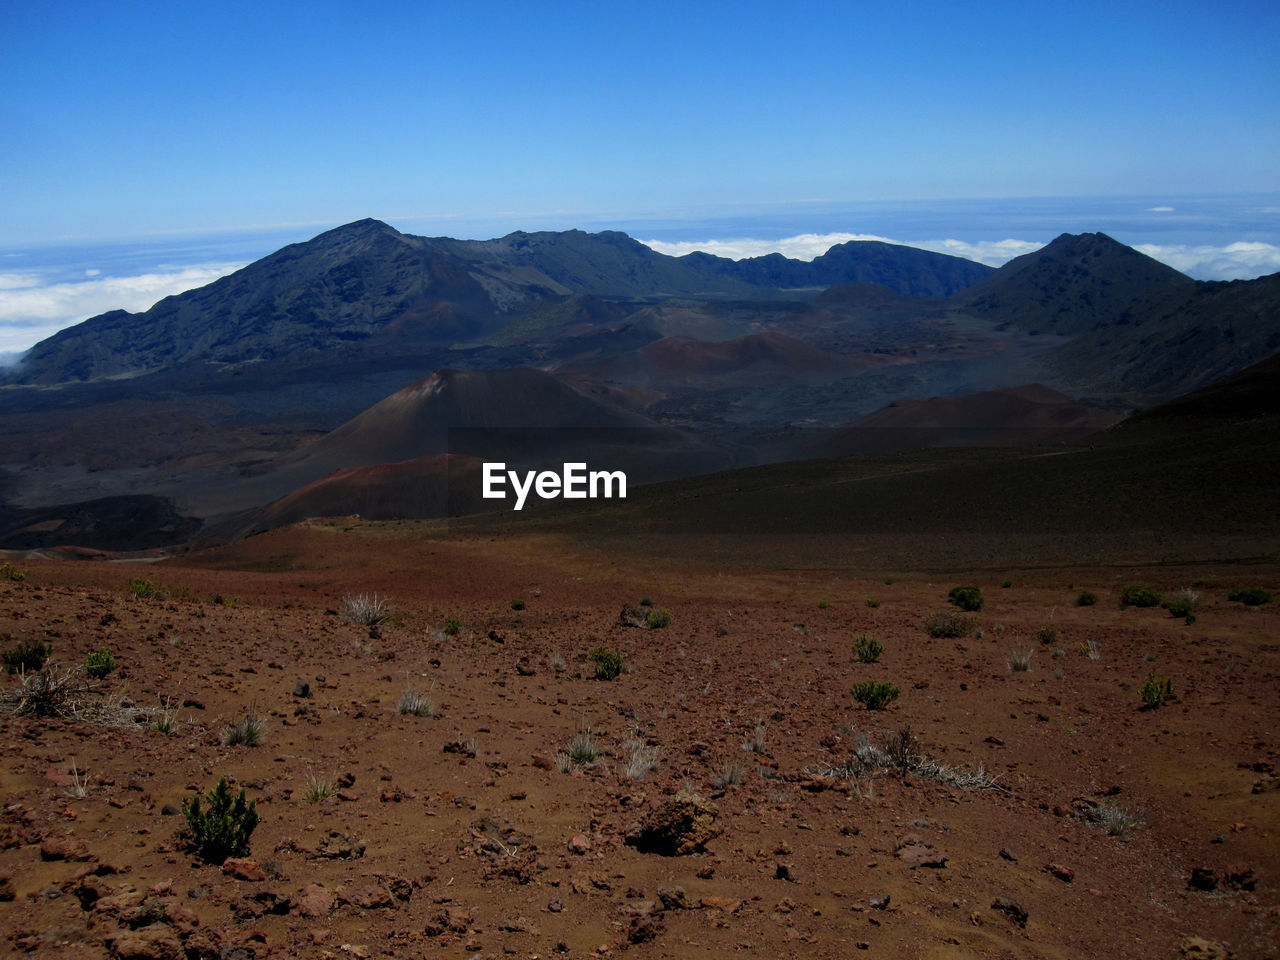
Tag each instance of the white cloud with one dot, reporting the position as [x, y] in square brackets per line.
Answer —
[804, 246]
[1242, 260]
[994, 253]
[1159, 209]
[31, 310]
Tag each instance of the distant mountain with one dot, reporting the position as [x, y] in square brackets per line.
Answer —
[367, 287]
[1137, 326]
[1073, 285]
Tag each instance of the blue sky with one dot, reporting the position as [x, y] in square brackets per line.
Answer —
[130, 120]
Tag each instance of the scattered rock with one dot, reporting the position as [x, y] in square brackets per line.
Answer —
[1007, 854]
[315, 901]
[302, 690]
[782, 871]
[680, 825]
[156, 942]
[642, 929]
[724, 904]
[64, 848]
[1065, 874]
[337, 847]
[914, 852]
[879, 903]
[1199, 948]
[1239, 876]
[1202, 878]
[525, 668]
[370, 896]
[1012, 909]
[673, 898]
[243, 868]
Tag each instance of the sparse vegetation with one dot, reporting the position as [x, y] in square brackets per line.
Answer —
[79, 786]
[872, 603]
[641, 759]
[755, 742]
[875, 694]
[1089, 650]
[416, 704]
[1156, 691]
[658, 619]
[452, 625]
[318, 789]
[9, 572]
[246, 732]
[583, 748]
[99, 663]
[1250, 596]
[822, 604]
[46, 692]
[608, 662]
[730, 774]
[1047, 636]
[517, 604]
[1020, 660]
[224, 600]
[867, 649]
[966, 598]
[1006, 585]
[646, 602]
[899, 753]
[948, 625]
[1114, 819]
[365, 609]
[557, 661]
[26, 656]
[1182, 604]
[1135, 595]
[1087, 598]
[221, 827]
[144, 589]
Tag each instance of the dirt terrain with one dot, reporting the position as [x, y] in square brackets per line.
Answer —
[460, 835]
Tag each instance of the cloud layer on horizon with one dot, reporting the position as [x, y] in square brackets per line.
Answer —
[1243, 260]
[31, 310]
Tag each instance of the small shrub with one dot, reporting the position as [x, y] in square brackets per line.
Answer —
[1020, 660]
[9, 572]
[557, 661]
[1115, 820]
[367, 610]
[318, 790]
[1135, 595]
[1156, 692]
[416, 704]
[1047, 636]
[966, 598]
[755, 743]
[26, 657]
[1006, 585]
[144, 589]
[641, 760]
[99, 663]
[583, 748]
[223, 827]
[646, 602]
[247, 732]
[224, 600]
[452, 625]
[822, 604]
[872, 602]
[1250, 596]
[517, 604]
[1089, 650]
[1183, 604]
[658, 619]
[949, 625]
[875, 694]
[607, 661]
[1087, 598]
[730, 774]
[867, 649]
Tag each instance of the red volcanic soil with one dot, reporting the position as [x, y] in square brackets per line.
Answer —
[1014, 415]
[459, 835]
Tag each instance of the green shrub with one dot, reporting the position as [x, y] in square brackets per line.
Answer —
[646, 602]
[1156, 692]
[221, 600]
[867, 649]
[872, 602]
[948, 625]
[223, 827]
[1047, 636]
[416, 704]
[822, 604]
[1250, 596]
[1006, 585]
[144, 589]
[517, 604]
[875, 694]
[657, 619]
[452, 625]
[1134, 595]
[1087, 598]
[966, 598]
[99, 663]
[608, 662]
[1183, 604]
[26, 657]
[247, 731]
[9, 572]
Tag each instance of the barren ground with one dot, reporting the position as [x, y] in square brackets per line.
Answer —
[425, 851]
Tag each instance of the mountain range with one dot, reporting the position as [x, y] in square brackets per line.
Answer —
[300, 380]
